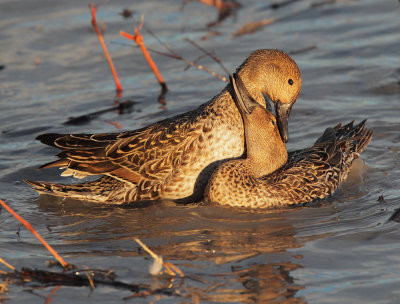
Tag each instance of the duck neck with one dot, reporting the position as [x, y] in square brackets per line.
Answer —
[267, 164]
[265, 152]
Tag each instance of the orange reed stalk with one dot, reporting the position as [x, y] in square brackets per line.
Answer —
[217, 3]
[96, 28]
[114, 123]
[138, 38]
[49, 298]
[30, 228]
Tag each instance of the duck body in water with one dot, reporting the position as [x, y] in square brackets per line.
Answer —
[174, 158]
[269, 176]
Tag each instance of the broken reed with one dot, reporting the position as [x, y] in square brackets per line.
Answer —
[93, 9]
[138, 39]
[28, 226]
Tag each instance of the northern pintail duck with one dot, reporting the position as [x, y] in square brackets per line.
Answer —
[173, 158]
[270, 177]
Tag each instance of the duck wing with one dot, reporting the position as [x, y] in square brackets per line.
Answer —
[316, 172]
[148, 153]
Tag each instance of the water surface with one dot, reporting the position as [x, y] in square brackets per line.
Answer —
[345, 250]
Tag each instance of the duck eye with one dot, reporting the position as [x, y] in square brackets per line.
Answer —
[290, 81]
[273, 122]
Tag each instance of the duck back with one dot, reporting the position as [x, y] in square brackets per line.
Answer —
[310, 173]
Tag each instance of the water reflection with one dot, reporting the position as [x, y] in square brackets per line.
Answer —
[224, 253]
[351, 73]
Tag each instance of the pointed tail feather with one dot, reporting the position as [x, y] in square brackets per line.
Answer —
[353, 140]
[363, 143]
[103, 190]
[49, 138]
[357, 136]
[59, 163]
[343, 146]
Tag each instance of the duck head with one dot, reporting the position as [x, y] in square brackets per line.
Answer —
[275, 74]
[266, 152]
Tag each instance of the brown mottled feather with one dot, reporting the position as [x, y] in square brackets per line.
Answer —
[173, 158]
[268, 176]
[311, 173]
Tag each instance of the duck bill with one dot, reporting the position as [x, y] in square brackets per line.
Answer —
[282, 112]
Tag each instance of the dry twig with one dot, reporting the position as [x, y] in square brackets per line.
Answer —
[174, 55]
[94, 23]
[156, 267]
[114, 123]
[49, 298]
[138, 39]
[33, 231]
[208, 53]
[8, 265]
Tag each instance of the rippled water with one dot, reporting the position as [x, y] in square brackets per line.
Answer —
[343, 251]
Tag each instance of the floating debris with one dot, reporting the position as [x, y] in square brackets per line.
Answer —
[225, 8]
[156, 267]
[395, 216]
[303, 50]
[381, 199]
[281, 4]
[253, 27]
[126, 13]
